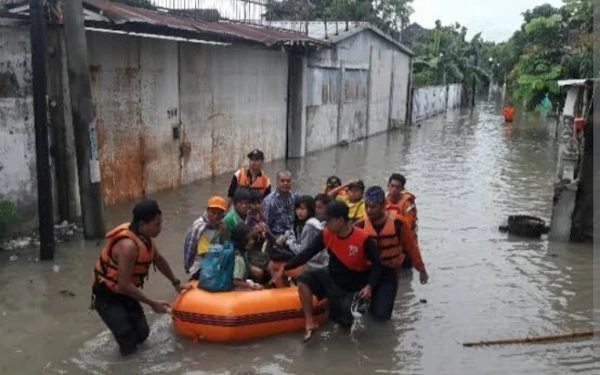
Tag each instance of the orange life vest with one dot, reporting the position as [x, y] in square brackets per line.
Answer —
[260, 184]
[390, 250]
[509, 113]
[350, 250]
[404, 207]
[106, 270]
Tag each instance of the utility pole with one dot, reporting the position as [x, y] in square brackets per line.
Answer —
[42, 159]
[84, 126]
[474, 84]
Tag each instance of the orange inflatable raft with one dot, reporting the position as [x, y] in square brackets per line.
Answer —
[240, 315]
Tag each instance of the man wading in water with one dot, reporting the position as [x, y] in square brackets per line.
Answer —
[354, 266]
[396, 244]
[120, 274]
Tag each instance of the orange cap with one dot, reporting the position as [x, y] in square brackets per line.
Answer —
[217, 202]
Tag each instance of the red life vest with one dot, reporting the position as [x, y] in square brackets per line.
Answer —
[350, 250]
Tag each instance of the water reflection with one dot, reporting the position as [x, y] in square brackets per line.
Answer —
[468, 175]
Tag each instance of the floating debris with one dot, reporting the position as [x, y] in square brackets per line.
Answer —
[67, 293]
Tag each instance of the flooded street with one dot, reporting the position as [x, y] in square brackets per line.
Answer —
[469, 172]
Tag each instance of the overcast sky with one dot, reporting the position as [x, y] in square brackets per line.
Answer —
[497, 19]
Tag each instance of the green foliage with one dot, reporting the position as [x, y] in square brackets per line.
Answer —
[8, 217]
[445, 56]
[552, 44]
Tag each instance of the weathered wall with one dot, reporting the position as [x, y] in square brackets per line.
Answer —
[454, 96]
[353, 93]
[433, 100]
[353, 117]
[379, 91]
[401, 78]
[233, 99]
[116, 91]
[17, 137]
[171, 113]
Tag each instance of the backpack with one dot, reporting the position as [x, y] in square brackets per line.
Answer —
[216, 274]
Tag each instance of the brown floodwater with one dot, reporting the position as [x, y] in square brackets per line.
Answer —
[469, 172]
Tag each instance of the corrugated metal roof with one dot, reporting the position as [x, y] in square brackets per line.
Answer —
[13, 2]
[121, 15]
[335, 31]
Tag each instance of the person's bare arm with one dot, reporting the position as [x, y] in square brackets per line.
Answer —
[334, 192]
[125, 252]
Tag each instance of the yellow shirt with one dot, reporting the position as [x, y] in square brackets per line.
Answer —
[205, 241]
[356, 210]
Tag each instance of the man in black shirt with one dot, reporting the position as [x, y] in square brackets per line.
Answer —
[354, 266]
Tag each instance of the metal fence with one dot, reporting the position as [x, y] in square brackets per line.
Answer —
[237, 10]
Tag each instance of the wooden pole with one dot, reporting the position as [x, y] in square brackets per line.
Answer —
[528, 340]
[84, 126]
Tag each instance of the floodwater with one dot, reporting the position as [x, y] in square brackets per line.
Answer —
[469, 171]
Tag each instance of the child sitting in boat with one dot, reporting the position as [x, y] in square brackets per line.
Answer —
[334, 182]
[206, 230]
[354, 199]
[306, 228]
[245, 275]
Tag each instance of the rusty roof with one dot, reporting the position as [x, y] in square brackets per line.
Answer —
[118, 15]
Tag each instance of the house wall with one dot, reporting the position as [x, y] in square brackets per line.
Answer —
[356, 89]
[18, 186]
[433, 100]
[171, 113]
[233, 100]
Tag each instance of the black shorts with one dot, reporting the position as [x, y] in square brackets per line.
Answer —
[124, 317]
[340, 301]
[317, 280]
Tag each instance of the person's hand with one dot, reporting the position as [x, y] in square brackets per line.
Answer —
[366, 292]
[277, 275]
[160, 307]
[181, 287]
[281, 240]
[423, 276]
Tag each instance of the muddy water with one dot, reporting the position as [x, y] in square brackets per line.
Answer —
[468, 171]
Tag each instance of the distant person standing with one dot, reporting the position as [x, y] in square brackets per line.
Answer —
[254, 178]
[120, 273]
[509, 112]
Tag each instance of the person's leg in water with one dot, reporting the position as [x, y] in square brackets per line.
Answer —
[121, 317]
[311, 282]
[139, 322]
[384, 297]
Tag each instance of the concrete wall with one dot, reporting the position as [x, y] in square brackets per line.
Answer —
[233, 100]
[171, 113]
[17, 137]
[356, 89]
[433, 100]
